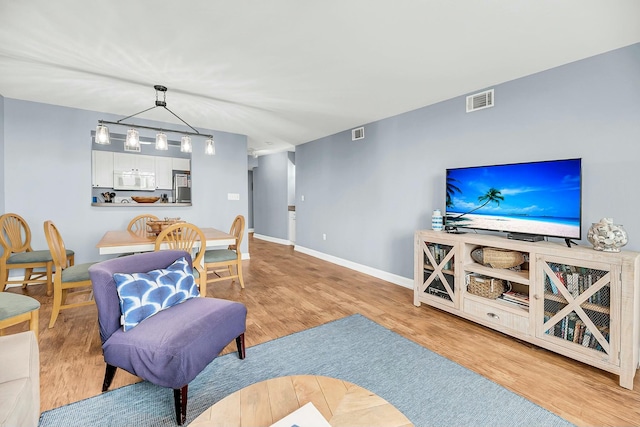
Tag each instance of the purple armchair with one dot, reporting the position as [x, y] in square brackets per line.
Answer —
[171, 347]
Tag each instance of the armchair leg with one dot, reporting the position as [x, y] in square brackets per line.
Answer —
[108, 377]
[180, 399]
[240, 345]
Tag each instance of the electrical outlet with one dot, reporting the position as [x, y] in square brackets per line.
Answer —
[324, 236]
[233, 196]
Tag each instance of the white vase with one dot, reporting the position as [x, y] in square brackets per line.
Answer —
[436, 220]
[606, 236]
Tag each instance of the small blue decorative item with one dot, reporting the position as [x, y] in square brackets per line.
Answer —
[436, 220]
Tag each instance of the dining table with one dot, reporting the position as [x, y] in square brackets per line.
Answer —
[125, 241]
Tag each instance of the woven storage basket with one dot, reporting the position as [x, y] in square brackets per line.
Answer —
[486, 287]
[497, 258]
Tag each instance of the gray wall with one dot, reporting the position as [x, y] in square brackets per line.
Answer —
[47, 176]
[369, 196]
[270, 196]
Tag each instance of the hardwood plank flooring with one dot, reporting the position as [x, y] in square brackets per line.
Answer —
[286, 292]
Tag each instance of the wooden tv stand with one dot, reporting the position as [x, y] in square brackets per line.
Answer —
[582, 303]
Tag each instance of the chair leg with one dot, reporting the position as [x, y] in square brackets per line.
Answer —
[180, 399]
[4, 276]
[109, 373]
[49, 278]
[28, 272]
[57, 303]
[240, 345]
[239, 269]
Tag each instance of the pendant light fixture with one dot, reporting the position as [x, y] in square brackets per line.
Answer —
[210, 147]
[102, 135]
[185, 144]
[161, 141]
[132, 142]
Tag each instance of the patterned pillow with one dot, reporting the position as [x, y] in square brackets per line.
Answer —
[144, 294]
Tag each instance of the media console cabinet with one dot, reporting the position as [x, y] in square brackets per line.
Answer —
[578, 302]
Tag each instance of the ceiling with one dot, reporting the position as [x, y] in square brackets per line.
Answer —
[285, 72]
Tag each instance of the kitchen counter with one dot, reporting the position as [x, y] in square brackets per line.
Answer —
[146, 205]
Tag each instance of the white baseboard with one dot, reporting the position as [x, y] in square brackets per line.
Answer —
[273, 239]
[389, 277]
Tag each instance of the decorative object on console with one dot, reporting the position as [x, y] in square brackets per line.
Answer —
[497, 258]
[436, 220]
[132, 142]
[606, 236]
[487, 287]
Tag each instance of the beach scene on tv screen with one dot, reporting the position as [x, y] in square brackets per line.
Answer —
[540, 198]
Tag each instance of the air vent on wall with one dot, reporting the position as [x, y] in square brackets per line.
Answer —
[357, 133]
[480, 100]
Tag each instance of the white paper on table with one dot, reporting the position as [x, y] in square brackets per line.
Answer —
[306, 416]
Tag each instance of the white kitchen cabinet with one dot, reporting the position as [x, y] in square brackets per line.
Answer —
[181, 164]
[123, 162]
[164, 173]
[102, 169]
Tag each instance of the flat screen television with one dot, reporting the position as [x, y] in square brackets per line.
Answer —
[527, 200]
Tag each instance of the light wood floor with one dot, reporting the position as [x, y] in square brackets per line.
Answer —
[287, 292]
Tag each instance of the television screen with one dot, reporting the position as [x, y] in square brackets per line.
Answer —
[535, 198]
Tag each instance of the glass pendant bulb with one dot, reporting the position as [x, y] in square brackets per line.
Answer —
[161, 141]
[102, 135]
[133, 139]
[210, 148]
[185, 144]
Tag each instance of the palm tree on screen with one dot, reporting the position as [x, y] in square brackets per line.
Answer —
[493, 195]
[452, 188]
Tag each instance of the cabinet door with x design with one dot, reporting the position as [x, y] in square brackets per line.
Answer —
[580, 310]
[435, 266]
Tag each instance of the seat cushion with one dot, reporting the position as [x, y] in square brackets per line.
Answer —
[14, 304]
[33, 256]
[219, 255]
[170, 348]
[76, 273]
[144, 294]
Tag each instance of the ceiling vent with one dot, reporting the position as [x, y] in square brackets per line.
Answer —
[357, 133]
[480, 101]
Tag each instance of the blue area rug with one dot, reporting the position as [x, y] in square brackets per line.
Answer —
[429, 389]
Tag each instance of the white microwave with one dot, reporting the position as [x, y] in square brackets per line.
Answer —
[134, 180]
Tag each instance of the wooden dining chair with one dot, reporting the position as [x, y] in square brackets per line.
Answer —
[67, 276]
[15, 239]
[16, 308]
[187, 237]
[138, 224]
[217, 261]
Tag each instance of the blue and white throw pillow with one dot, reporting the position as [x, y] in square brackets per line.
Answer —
[144, 294]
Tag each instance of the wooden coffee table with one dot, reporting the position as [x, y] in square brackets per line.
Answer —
[340, 402]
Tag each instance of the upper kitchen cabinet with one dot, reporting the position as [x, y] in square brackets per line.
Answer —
[181, 164]
[102, 170]
[123, 162]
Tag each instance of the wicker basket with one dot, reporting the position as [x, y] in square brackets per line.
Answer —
[497, 258]
[486, 287]
[156, 227]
